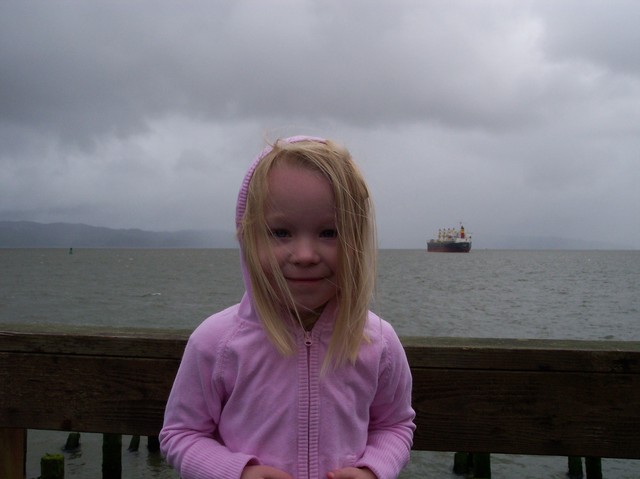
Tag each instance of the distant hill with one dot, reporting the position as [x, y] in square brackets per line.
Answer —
[27, 234]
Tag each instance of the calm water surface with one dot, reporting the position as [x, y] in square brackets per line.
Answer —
[517, 294]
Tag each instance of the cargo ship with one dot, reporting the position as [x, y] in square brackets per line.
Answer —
[450, 240]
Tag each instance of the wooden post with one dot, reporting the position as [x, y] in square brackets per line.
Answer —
[52, 466]
[593, 465]
[481, 465]
[73, 441]
[111, 456]
[134, 444]
[13, 453]
[575, 467]
[461, 463]
[153, 443]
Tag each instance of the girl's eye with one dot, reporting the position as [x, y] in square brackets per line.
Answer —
[279, 233]
[330, 233]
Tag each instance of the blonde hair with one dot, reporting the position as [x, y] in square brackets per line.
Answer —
[355, 226]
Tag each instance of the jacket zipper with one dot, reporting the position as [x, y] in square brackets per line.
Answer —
[308, 343]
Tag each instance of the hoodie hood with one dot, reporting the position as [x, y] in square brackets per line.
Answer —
[244, 188]
[247, 302]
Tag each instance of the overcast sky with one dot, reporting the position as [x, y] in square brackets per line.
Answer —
[515, 117]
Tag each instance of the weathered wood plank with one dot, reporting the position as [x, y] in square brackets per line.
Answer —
[527, 412]
[466, 353]
[85, 393]
[93, 341]
[523, 355]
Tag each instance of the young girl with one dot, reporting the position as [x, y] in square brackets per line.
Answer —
[299, 380]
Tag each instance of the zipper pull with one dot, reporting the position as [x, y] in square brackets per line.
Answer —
[307, 339]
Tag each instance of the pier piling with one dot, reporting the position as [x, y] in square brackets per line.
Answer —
[134, 444]
[593, 466]
[575, 467]
[52, 466]
[461, 463]
[481, 465]
[153, 443]
[73, 441]
[111, 456]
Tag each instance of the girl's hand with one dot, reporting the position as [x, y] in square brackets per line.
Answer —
[351, 473]
[263, 472]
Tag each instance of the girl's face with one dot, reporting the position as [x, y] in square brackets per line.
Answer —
[300, 216]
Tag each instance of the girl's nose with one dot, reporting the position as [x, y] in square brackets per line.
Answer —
[304, 251]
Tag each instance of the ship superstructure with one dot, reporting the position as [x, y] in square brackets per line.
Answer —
[450, 240]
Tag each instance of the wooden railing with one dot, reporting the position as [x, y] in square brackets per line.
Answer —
[535, 397]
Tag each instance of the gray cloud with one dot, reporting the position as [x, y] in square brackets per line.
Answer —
[510, 116]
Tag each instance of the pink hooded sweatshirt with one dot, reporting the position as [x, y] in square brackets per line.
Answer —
[237, 401]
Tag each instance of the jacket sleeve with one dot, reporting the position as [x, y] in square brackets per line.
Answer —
[391, 423]
[193, 410]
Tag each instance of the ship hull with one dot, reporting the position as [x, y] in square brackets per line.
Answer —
[448, 246]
